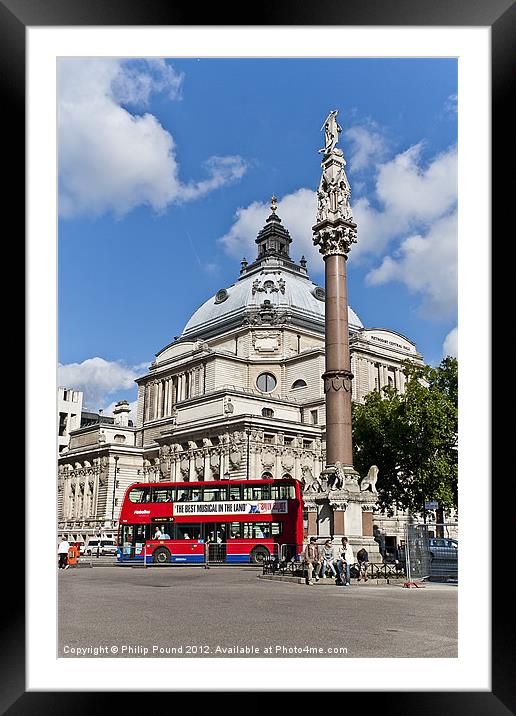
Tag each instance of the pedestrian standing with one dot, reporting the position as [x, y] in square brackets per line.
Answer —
[62, 554]
[312, 557]
[344, 564]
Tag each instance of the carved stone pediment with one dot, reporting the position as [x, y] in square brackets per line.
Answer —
[287, 460]
[268, 457]
[235, 457]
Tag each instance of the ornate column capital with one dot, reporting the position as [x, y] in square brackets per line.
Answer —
[338, 506]
[335, 237]
[337, 379]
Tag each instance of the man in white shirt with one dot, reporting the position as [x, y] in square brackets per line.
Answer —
[344, 564]
[62, 553]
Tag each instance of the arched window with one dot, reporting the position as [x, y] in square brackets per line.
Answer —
[267, 476]
[287, 476]
[267, 413]
[299, 384]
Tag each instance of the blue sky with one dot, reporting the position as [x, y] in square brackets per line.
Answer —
[166, 172]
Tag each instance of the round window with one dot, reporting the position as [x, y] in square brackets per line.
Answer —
[266, 382]
[221, 295]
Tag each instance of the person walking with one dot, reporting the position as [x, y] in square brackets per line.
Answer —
[62, 553]
[363, 563]
[312, 557]
[328, 559]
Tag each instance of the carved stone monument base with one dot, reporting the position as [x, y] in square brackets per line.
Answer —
[335, 504]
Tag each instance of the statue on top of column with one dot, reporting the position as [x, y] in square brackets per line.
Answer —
[331, 133]
[333, 192]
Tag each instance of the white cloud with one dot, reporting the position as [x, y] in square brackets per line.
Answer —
[413, 193]
[427, 265]
[450, 345]
[297, 213]
[410, 197]
[366, 147]
[113, 160]
[97, 378]
[451, 106]
[141, 78]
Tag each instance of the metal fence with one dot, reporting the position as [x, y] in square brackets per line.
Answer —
[432, 551]
[298, 568]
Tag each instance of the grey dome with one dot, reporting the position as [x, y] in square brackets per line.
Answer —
[290, 295]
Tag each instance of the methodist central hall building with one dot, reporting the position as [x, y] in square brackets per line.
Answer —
[238, 394]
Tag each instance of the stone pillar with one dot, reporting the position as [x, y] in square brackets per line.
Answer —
[312, 522]
[338, 490]
[338, 520]
[367, 521]
[338, 376]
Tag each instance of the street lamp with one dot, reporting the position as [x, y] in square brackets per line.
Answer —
[115, 485]
[248, 433]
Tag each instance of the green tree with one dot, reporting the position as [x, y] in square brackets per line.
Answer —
[412, 438]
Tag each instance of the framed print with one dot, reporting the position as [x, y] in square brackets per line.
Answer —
[144, 127]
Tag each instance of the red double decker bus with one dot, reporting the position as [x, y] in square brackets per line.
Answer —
[235, 521]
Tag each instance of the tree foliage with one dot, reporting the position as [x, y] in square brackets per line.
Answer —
[412, 438]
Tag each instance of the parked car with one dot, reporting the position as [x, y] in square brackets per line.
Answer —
[102, 547]
[443, 548]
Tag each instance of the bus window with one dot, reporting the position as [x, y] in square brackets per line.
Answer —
[166, 527]
[217, 533]
[266, 492]
[130, 534]
[253, 493]
[215, 494]
[283, 492]
[235, 530]
[259, 530]
[182, 495]
[139, 494]
[188, 531]
[235, 492]
[162, 494]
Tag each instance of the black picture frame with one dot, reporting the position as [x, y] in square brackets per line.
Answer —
[15, 17]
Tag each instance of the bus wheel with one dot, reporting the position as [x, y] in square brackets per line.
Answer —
[161, 555]
[258, 554]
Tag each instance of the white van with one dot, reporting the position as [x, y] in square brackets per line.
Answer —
[102, 546]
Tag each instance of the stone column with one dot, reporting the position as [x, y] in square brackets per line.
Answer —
[338, 492]
[338, 376]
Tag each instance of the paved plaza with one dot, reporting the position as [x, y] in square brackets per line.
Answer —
[230, 612]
